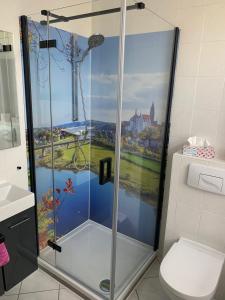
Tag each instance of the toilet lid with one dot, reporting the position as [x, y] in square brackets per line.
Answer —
[191, 270]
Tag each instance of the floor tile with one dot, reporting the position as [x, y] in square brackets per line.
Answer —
[153, 270]
[12, 297]
[14, 291]
[62, 286]
[39, 281]
[133, 296]
[150, 288]
[66, 294]
[47, 295]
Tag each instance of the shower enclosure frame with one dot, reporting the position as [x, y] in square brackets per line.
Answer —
[30, 134]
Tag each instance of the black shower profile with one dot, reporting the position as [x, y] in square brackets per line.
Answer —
[58, 18]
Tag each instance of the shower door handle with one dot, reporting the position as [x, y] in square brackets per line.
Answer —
[105, 170]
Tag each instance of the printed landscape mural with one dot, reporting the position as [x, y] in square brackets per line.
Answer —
[67, 172]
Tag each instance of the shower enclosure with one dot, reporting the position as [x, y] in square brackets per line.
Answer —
[98, 82]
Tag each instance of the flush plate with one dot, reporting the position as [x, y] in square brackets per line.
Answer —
[207, 178]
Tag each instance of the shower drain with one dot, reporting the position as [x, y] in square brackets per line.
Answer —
[105, 285]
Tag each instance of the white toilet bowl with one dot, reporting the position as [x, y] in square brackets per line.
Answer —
[191, 271]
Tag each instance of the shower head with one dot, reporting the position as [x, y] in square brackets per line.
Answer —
[95, 40]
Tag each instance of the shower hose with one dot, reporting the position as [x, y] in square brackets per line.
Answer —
[79, 151]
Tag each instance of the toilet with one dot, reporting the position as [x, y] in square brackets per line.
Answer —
[191, 271]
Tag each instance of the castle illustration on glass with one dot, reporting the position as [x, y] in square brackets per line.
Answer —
[138, 122]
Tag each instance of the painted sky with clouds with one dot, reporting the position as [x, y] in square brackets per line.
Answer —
[146, 78]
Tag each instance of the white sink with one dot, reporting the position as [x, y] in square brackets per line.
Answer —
[13, 200]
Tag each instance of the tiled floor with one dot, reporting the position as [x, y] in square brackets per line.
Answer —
[41, 286]
[149, 287]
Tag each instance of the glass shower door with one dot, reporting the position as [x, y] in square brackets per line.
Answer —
[42, 132]
[149, 45]
[83, 72]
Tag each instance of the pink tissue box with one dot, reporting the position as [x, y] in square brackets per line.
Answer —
[204, 152]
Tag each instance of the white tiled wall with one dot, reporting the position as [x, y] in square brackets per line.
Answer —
[193, 213]
[200, 78]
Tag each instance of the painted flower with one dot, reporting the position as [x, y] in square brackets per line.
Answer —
[69, 186]
[48, 201]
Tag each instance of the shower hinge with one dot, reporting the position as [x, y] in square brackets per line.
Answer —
[47, 44]
[54, 246]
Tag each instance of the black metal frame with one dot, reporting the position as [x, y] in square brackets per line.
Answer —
[58, 18]
[166, 139]
[29, 114]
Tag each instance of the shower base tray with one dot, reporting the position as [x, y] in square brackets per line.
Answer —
[86, 256]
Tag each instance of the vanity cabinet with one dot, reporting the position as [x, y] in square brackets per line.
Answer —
[20, 239]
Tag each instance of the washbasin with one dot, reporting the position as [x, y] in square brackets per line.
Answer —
[13, 200]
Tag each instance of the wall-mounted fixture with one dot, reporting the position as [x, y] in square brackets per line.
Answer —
[207, 178]
[9, 119]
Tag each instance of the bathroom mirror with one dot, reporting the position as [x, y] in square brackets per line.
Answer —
[9, 119]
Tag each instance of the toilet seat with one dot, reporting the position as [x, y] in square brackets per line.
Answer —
[191, 270]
